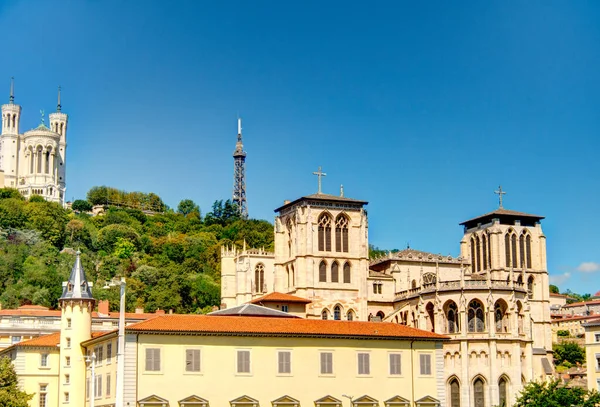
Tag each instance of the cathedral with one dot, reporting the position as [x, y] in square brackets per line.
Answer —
[491, 301]
[34, 162]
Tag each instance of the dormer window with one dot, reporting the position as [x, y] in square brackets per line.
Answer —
[70, 287]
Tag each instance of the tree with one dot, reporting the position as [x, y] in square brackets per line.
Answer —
[124, 249]
[98, 195]
[554, 289]
[187, 206]
[10, 393]
[49, 218]
[81, 205]
[568, 352]
[36, 198]
[553, 394]
[10, 193]
[109, 235]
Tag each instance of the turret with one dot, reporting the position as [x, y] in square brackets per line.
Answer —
[58, 124]
[9, 142]
[11, 113]
[76, 304]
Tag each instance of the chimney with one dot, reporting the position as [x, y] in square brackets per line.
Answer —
[160, 312]
[103, 307]
[139, 310]
[171, 311]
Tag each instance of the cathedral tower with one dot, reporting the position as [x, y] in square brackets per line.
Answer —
[9, 140]
[58, 125]
[239, 175]
[76, 304]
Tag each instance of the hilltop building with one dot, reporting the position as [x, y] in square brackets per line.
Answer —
[34, 162]
[492, 300]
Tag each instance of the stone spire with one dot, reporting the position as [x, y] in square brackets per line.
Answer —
[58, 106]
[77, 288]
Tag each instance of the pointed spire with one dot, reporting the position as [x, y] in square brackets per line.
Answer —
[11, 99]
[58, 106]
[342, 191]
[77, 287]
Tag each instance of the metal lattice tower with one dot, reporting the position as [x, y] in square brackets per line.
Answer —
[239, 175]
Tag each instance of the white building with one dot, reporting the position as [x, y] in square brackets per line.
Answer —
[34, 162]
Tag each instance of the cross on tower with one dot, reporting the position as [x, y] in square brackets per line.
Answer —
[319, 174]
[500, 192]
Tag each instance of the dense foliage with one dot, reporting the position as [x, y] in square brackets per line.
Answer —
[553, 394]
[568, 352]
[171, 259]
[11, 394]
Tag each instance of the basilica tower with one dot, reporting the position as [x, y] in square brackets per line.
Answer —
[9, 139]
[76, 304]
[58, 125]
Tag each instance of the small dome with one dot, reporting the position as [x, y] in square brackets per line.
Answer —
[42, 130]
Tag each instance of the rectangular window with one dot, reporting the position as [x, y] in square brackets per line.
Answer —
[395, 368]
[597, 336]
[98, 388]
[66, 397]
[108, 384]
[68, 342]
[284, 308]
[99, 354]
[43, 395]
[284, 362]
[15, 339]
[153, 360]
[44, 360]
[69, 323]
[425, 362]
[243, 361]
[364, 365]
[597, 362]
[326, 363]
[67, 360]
[67, 379]
[192, 360]
[109, 353]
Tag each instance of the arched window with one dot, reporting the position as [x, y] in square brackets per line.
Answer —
[47, 162]
[500, 316]
[528, 246]
[323, 272]
[522, 251]
[337, 313]
[478, 393]
[452, 317]
[513, 253]
[503, 391]
[324, 314]
[347, 273]
[477, 254]
[341, 234]
[413, 284]
[507, 248]
[39, 160]
[350, 316]
[381, 315]
[430, 317]
[473, 261]
[325, 233]
[335, 275]
[484, 262]
[476, 317]
[259, 279]
[520, 317]
[454, 393]
[530, 287]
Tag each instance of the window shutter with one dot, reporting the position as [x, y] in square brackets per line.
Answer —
[326, 363]
[192, 360]
[284, 362]
[395, 364]
[108, 384]
[243, 361]
[425, 361]
[99, 386]
[156, 359]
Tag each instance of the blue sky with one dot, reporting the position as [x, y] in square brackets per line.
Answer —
[421, 109]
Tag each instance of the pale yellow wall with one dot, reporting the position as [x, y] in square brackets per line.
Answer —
[219, 383]
[298, 310]
[107, 366]
[592, 348]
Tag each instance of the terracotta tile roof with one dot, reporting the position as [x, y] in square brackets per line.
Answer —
[51, 340]
[31, 311]
[279, 326]
[577, 318]
[280, 297]
[582, 303]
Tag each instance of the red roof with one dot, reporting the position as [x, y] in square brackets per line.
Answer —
[40, 311]
[280, 297]
[582, 303]
[51, 340]
[279, 326]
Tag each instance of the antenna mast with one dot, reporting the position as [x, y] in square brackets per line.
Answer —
[239, 175]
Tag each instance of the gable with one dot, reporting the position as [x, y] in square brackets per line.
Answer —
[193, 401]
[328, 400]
[286, 401]
[366, 400]
[244, 400]
[427, 401]
[397, 401]
[153, 400]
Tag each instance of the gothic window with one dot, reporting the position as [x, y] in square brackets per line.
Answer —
[413, 285]
[520, 317]
[324, 314]
[513, 251]
[452, 317]
[478, 392]
[429, 278]
[500, 316]
[350, 316]
[341, 234]
[430, 317]
[477, 254]
[530, 287]
[337, 313]
[503, 391]
[335, 275]
[325, 233]
[377, 287]
[323, 272]
[259, 278]
[484, 263]
[528, 246]
[476, 317]
[473, 261]
[489, 248]
[522, 250]
[347, 273]
[454, 393]
[507, 248]
[380, 314]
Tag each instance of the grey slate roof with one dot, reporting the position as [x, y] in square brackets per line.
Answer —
[499, 213]
[77, 287]
[251, 310]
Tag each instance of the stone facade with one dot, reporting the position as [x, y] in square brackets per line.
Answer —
[492, 300]
[34, 162]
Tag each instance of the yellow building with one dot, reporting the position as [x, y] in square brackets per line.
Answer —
[592, 352]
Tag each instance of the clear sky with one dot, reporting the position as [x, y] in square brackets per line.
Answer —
[420, 108]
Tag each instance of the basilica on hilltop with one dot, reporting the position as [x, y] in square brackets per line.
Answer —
[492, 300]
[34, 162]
